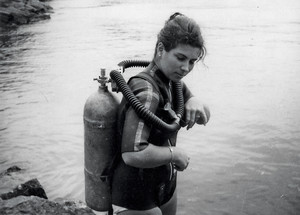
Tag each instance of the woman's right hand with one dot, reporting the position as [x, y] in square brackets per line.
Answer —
[181, 159]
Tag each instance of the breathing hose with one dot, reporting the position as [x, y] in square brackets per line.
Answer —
[133, 63]
[139, 108]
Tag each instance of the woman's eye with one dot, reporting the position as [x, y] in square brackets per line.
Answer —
[180, 58]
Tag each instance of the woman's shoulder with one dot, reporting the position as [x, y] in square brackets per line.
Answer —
[143, 89]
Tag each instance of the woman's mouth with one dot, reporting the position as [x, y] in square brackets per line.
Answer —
[178, 75]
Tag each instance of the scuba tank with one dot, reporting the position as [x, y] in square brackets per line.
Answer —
[100, 132]
[100, 124]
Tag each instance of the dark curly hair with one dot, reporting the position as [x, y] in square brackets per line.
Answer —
[180, 29]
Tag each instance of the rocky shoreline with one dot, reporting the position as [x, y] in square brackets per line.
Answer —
[18, 12]
[23, 196]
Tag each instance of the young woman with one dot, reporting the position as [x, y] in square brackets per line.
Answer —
[144, 181]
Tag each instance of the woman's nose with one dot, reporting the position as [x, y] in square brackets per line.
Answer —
[185, 67]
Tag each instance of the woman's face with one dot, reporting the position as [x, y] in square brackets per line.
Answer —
[178, 62]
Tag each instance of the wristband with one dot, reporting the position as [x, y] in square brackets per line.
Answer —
[171, 150]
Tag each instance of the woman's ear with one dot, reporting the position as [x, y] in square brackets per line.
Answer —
[160, 49]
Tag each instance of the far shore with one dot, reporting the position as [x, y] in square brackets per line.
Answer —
[19, 12]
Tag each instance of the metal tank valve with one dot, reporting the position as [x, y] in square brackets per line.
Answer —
[102, 78]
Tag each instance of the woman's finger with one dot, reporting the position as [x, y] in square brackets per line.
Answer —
[203, 114]
[207, 113]
[192, 119]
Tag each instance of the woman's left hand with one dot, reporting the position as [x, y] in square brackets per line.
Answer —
[196, 112]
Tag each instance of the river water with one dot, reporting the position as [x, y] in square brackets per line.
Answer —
[245, 161]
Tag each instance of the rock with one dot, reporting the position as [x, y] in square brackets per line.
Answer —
[30, 197]
[18, 12]
[38, 206]
[10, 170]
[12, 177]
[30, 188]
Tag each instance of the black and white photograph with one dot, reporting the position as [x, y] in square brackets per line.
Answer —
[139, 107]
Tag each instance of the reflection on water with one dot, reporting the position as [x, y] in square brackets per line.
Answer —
[245, 161]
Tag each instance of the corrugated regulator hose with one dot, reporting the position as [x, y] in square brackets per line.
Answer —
[133, 63]
[140, 109]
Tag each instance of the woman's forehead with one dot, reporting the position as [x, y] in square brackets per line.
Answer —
[187, 50]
